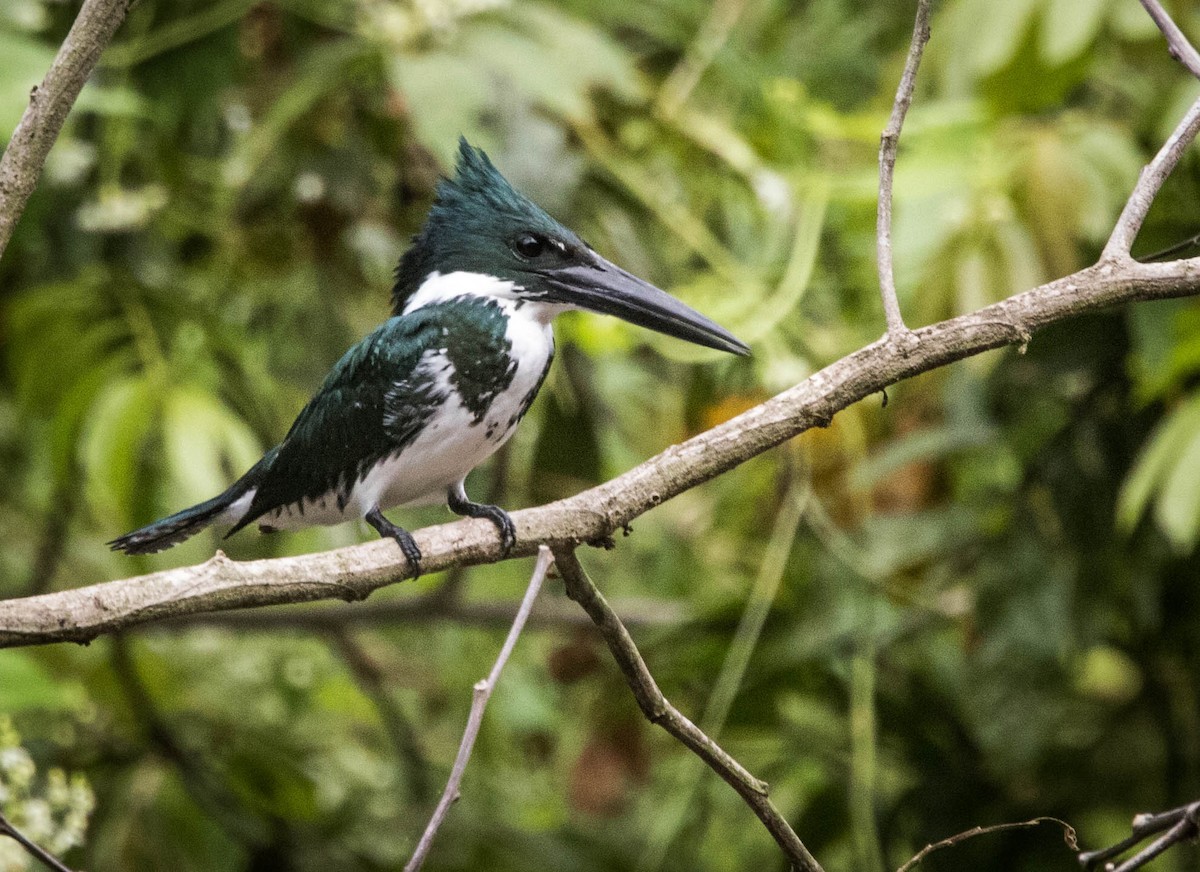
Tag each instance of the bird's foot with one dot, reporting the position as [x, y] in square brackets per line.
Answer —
[403, 538]
[460, 505]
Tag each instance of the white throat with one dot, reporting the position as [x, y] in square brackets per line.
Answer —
[439, 288]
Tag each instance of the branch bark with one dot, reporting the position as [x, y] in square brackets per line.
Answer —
[481, 694]
[1181, 824]
[658, 710]
[31, 847]
[594, 515]
[1179, 46]
[889, 142]
[49, 103]
[1150, 182]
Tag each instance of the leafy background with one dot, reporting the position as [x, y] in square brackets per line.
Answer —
[979, 604]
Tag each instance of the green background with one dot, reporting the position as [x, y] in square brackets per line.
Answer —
[977, 605]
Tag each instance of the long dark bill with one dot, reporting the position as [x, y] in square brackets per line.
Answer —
[604, 287]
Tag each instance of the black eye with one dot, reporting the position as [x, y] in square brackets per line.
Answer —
[529, 245]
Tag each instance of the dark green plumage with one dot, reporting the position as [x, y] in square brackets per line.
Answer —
[374, 402]
[471, 226]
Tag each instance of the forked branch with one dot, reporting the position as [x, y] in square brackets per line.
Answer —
[1177, 825]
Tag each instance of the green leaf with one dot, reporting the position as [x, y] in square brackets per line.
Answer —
[1069, 27]
[26, 684]
[25, 63]
[119, 423]
[450, 88]
[206, 444]
[1176, 439]
[1177, 509]
[996, 31]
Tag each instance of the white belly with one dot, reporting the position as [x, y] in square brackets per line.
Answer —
[450, 445]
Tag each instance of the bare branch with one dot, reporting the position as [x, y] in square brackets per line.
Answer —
[31, 847]
[658, 710]
[1068, 836]
[1182, 50]
[1181, 824]
[479, 700]
[1149, 183]
[1137, 207]
[352, 573]
[49, 103]
[889, 142]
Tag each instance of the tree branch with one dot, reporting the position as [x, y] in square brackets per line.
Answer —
[479, 700]
[1149, 183]
[353, 573]
[32, 848]
[1137, 207]
[889, 142]
[593, 516]
[49, 103]
[658, 710]
[1182, 50]
[1068, 836]
[1181, 824]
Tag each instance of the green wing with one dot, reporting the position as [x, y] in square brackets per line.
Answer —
[367, 409]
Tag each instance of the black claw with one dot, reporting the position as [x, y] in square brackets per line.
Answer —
[460, 505]
[403, 538]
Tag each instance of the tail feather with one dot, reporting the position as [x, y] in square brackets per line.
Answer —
[172, 530]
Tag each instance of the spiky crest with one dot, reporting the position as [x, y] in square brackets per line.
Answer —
[470, 227]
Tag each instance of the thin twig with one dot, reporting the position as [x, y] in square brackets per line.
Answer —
[672, 814]
[49, 103]
[479, 700]
[1163, 253]
[1179, 46]
[32, 848]
[1181, 824]
[1155, 173]
[658, 710]
[888, 144]
[1149, 183]
[1068, 836]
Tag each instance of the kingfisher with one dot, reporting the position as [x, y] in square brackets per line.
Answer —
[434, 391]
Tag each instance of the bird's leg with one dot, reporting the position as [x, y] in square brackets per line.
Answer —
[460, 504]
[403, 538]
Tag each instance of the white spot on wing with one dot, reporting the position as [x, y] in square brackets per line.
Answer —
[451, 443]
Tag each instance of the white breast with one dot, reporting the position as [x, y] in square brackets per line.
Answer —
[452, 442]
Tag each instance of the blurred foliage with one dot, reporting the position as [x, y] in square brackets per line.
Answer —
[52, 812]
[979, 604]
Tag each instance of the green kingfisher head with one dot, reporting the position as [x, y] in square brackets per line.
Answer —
[480, 226]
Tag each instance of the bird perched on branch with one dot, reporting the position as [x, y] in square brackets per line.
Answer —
[433, 392]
